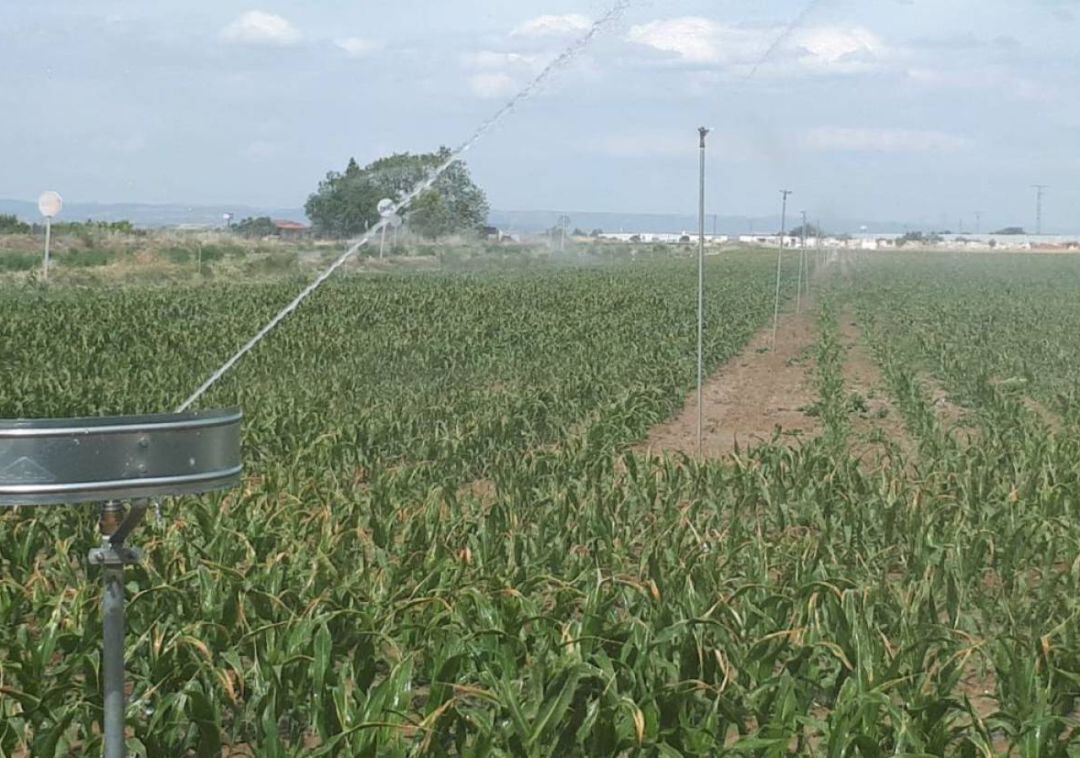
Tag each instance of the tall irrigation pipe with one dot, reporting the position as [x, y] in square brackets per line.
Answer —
[779, 264]
[612, 14]
[703, 132]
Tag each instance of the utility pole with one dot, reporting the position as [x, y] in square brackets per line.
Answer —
[703, 132]
[978, 222]
[779, 263]
[1040, 190]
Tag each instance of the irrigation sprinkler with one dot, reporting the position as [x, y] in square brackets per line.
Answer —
[111, 461]
[779, 263]
[49, 204]
[703, 132]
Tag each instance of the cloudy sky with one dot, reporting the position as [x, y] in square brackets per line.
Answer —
[914, 110]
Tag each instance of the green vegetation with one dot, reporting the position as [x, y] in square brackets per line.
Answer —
[18, 261]
[263, 226]
[447, 545]
[10, 224]
[919, 238]
[345, 204]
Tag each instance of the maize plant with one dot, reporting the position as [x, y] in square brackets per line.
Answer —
[447, 544]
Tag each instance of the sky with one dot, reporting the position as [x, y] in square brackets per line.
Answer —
[920, 111]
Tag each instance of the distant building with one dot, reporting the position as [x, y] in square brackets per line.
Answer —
[495, 234]
[291, 229]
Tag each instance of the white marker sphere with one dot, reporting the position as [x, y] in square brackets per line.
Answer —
[50, 204]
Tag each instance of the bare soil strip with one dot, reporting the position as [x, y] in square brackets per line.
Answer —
[951, 415]
[749, 397]
[1048, 418]
[877, 420]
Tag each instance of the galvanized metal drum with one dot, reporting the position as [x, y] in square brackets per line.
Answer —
[68, 461]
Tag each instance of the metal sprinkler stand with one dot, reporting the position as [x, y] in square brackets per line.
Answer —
[111, 461]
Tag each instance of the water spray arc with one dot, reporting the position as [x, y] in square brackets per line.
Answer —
[788, 30]
[575, 49]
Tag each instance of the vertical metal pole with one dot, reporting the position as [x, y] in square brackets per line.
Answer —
[112, 661]
[112, 615]
[804, 263]
[382, 242]
[703, 132]
[48, 242]
[779, 262]
[1039, 190]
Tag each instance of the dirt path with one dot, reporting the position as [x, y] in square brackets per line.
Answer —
[753, 394]
[877, 421]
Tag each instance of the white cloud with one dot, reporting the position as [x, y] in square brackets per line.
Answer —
[493, 85]
[499, 74]
[356, 47]
[554, 26]
[851, 140]
[706, 42]
[260, 28]
[836, 47]
[696, 40]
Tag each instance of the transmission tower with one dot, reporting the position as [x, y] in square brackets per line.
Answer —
[1040, 190]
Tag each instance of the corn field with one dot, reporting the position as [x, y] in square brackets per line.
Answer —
[446, 543]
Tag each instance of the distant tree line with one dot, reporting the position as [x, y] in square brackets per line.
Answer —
[919, 238]
[10, 224]
[812, 231]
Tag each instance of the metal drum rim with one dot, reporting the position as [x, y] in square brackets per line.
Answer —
[154, 422]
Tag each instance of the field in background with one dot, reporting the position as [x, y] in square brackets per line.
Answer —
[91, 256]
[447, 543]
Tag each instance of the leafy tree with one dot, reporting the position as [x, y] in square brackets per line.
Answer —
[430, 216]
[812, 232]
[1011, 231]
[10, 224]
[263, 226]
[919, 238]
[345, 204]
